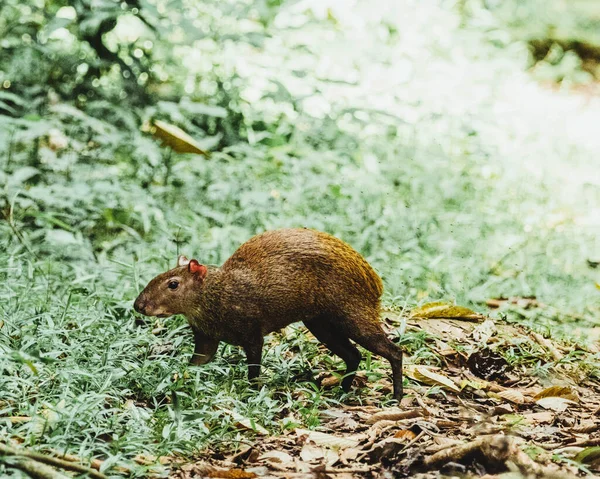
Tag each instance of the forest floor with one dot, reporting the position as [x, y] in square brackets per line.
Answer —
[476, 415]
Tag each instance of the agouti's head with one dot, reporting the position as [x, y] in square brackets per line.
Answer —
[172, 292]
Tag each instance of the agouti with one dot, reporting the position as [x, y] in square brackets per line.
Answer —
[275, 279]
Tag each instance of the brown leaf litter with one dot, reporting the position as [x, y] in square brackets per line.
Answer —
[471, 415]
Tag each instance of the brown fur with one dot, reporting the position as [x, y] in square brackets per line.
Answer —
[274, 279]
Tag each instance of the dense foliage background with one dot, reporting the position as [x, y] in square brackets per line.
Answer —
[455, 144]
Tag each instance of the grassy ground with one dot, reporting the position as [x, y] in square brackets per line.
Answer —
[417, 136]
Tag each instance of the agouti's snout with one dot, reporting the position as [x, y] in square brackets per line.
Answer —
[147, 307]
[140, 305]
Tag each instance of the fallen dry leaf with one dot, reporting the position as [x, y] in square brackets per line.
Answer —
[349, 454]
[405, 434]
[248, 424]
[557, 391]
[554, 403]
[512, 395]
[329, 440]
[585, 427]
[330, 381]
[483, 332]
[426, 375]
[477, 385]
[207, 470]
[440, 310]
[313, 453]
[280, 457]
[542, 417]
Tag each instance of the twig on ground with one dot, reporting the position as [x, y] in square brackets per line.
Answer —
[542, 341]
[35, 469]
[49, 460]
[500, 449]
[395, 415]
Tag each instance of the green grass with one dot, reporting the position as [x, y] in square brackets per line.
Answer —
[441, 161]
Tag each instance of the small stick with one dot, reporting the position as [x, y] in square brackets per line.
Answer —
[542, 341]
[395, 415]
[35, 469]
[51, 461]
[497, 448]
[18, 419]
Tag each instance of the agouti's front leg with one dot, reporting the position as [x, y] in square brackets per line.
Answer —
[253, 352]
[204, 349]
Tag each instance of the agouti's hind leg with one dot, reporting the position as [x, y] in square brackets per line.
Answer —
[339, 344]
[370, 335]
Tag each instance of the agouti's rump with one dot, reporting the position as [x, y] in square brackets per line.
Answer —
[272, 280]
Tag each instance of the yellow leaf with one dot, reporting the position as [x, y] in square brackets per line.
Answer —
[440, 310]
[427, 376]
[474, 384]
[557, 391]
[176, 138]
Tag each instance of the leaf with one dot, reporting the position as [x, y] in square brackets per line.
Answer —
[347, 456]
[557, 391]
[98, 126]
[56, 23]
[554, 403]
[310, 453]
[474, 384]
[16, 99]
[203, 109]
[249, 424]
[176, 138]
[483, 332]
[61, 237]
[405, 434]
[330, 381]
[6, 107]
[22, 175]
[328, 440]
[512, 395]
[278, 457]
[588, 455]
[585, 427]
[543, 417]
[441, 310]
[427, 376]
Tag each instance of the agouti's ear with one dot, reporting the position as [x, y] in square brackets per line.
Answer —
[182, 261]
[196, 268]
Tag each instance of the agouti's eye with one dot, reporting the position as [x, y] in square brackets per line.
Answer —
[173, 284]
